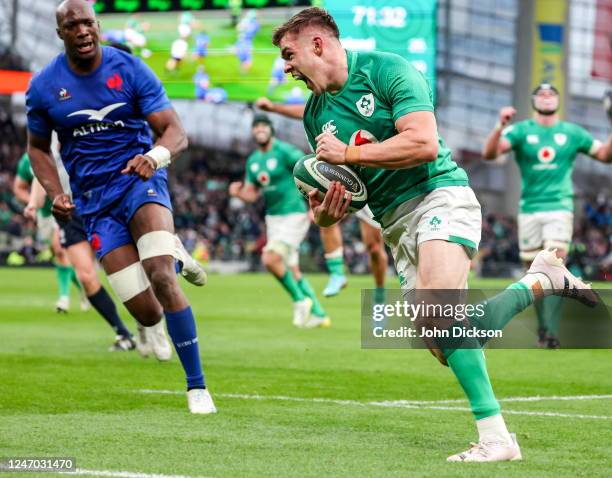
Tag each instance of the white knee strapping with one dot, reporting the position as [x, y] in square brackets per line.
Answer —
[279, 248]
[129, 281]
[156, 243]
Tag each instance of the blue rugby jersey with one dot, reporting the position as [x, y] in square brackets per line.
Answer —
[100, 121]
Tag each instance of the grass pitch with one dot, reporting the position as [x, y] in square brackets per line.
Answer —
[291, 402]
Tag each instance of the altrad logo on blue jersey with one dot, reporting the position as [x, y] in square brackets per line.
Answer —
[99, 116]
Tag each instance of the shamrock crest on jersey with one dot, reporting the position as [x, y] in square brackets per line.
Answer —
[366, 105]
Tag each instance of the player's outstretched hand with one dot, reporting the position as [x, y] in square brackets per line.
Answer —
[607, 101]
[334, 206]
[264, 104]
[234, 188]
[62, 207]
[330, 149]
[506, 114]
[142, 166]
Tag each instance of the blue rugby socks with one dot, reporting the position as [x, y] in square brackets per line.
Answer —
[182, 330]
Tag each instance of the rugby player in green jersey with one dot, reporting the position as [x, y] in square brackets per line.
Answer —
[331, 237]
[374, 112]
[269, 171]
[545, 149]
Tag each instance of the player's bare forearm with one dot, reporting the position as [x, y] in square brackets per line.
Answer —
[244, 191]
[248, 196]
[491, 147]
[290, 111]
[605, 153]
[21, 190]
[169, 131]
[416, 143]
[43, 165]
[399, 152]
[37, 195]
[495, 144]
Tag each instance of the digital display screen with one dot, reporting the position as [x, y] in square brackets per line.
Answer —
[407, 28]
[221, 50]
[130, 6]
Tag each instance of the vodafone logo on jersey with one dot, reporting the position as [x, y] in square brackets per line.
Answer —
[263, 178]
[546, 154]
[362, 136]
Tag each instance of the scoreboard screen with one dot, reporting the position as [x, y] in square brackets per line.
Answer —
[131, 6]
[407, 28]
[221, 50]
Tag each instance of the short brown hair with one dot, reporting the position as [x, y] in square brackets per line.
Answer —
[309, 16]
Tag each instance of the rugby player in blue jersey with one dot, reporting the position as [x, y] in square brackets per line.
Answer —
[102, 101]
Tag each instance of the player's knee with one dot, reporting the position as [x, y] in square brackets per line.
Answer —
[376, 249]
[146, 311]
[270, 259]
[89, 279]
[163, 281]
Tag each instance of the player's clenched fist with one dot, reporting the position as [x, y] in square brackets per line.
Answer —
[506, 114]
[330, 149]
[334, 206]
[142, 166]
[62, 207]
[264, 104]
[234, 188]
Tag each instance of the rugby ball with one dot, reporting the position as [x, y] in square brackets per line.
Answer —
[309, 174]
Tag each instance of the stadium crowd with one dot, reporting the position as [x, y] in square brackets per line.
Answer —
[216, 227]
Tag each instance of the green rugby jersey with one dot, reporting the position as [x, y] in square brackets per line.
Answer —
[545, 156]
[272, 172]
[381, 87]
[25, 173]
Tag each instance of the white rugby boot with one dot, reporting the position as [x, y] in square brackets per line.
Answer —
[192, 271]
[160, 344]
[122, 343]
[62, 306]
[199, 401]
[301, 312]
[490, 451]
[84, 302]
[563, 282]
[143, 344]
[316, 321]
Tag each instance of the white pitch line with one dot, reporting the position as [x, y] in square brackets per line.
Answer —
[414, 405]
[121, 474]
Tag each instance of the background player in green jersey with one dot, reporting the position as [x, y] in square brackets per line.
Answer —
[47, 235]
[331, 236]
[545, 149]
[269, 170]
[373, 111]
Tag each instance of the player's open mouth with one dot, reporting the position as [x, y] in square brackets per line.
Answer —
[85, 47]
[300, 77]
